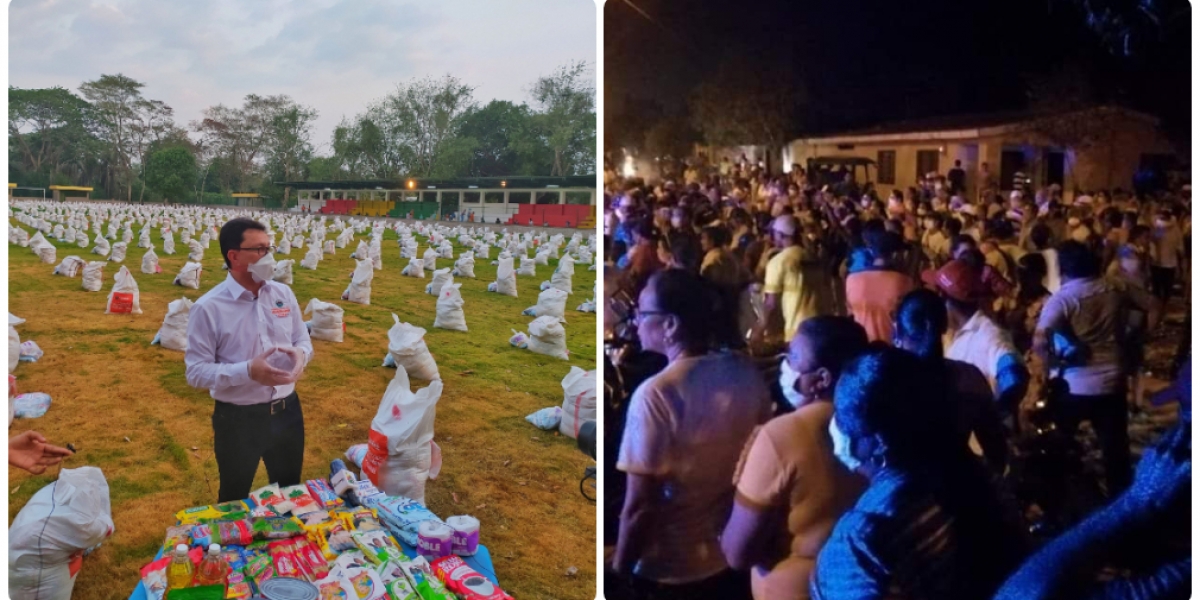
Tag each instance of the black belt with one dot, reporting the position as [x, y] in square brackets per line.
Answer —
[269, 408]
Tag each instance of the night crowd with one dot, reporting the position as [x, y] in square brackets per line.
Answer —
[823, 389]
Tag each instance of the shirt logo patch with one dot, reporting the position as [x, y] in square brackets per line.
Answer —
[279, 303]
[281, 312]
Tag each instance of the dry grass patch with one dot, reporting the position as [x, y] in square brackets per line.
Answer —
[109, 383]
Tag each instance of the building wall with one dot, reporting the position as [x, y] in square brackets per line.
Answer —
[1086, 168]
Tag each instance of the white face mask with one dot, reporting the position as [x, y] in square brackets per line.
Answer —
[264, 269]
[677, 223]
[841, 447]
[787, 381]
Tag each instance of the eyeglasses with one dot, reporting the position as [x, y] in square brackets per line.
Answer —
[259, 251]
[639, 313]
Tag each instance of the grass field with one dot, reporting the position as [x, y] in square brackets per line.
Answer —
[127, 408]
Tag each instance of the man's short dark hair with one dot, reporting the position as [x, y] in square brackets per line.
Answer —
[1040, 235]
[1077, 261]
[834, 340]
[232, 234]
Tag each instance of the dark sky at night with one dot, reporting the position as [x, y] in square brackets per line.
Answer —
[865, 62]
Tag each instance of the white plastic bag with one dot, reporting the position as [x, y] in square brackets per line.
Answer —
[69, 267]
[102, 246]
[431, 256]
[14, 342]
[150, 262]
[559, 280]
[330, 247]
[415, 268]
[464, 267]
[118, 252]
[579, 401]
[400, 448]
[173, 333]
[506, 279]
[359, 290]
[547, 336]
[326, 323]
[189, 275]
[527, 267]
[124, 297]
[441, 277]
[406, 346]
[196, 251]
[547, 419]
[93, 276]
[69, 515]
[168, 244]
[312, 259]
[449, 309]
[551, 303]
[283, 271]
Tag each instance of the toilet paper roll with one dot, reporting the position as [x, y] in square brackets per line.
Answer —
[466, 534]
[434, 540]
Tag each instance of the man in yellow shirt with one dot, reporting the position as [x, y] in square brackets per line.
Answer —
[785, 287]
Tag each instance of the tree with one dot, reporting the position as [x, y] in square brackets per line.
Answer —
[171, 172]
[419, 118]
[504, 135]
[670, 137]
[265, 130]
[566, 104]
[116, 100]
[737, 106]
[46, 126]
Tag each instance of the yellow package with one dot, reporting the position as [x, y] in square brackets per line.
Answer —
[227, 511]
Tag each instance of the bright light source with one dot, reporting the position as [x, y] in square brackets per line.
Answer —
[503, 184]
[628, 170]
[412, 184]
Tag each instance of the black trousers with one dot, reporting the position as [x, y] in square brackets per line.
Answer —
[1161, 282]
[242, 435]
[726, 585]
[1109, 416]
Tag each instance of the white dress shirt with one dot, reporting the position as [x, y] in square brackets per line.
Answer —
[228, 327]
[982, 343]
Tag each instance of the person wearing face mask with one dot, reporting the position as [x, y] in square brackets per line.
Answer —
[684, 431]
[790, 480]
[933, 523]
[247, 345]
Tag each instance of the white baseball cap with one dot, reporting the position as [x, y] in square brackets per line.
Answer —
[785, 224]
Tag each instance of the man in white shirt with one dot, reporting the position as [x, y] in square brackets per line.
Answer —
[247, 344]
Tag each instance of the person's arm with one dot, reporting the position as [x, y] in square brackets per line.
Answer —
[202, 369]
[29, 451]
[1053, 317]
[1012, 380]
[772, 288]
[762, 483]
[643, 457]
[300, 336]
[1067, 566]
[637, 518]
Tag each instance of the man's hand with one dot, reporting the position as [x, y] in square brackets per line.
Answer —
[265, 374]
[30, 451]
[1164, 472]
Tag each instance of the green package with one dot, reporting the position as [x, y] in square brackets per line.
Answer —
[204, 592]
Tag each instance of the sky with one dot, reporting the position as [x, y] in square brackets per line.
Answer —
[333, 55]
[865, 62]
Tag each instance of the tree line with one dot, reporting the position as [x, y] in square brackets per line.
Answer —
[109, 136]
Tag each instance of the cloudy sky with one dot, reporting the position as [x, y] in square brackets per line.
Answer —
[333, 55]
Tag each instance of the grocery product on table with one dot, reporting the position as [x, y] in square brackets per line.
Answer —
[378, 546]
[284, 559]
[226, 511]
[222, 532]
[179, 572]
[276, 528]
[301, 501]
[212, 570]
[154, 578]
[324, 494]
[466, 582]
[271, 496]
[466, 534]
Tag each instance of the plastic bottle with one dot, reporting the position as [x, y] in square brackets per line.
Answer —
[212, 570]
[179, 572]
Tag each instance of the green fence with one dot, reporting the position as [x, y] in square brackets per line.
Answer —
[419, 210]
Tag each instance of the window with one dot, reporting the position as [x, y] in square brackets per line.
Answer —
[579, 197]
[547, 198]
[519, 197]
[493, 197]
[927, 162]
[470, 197]
[886, 165]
